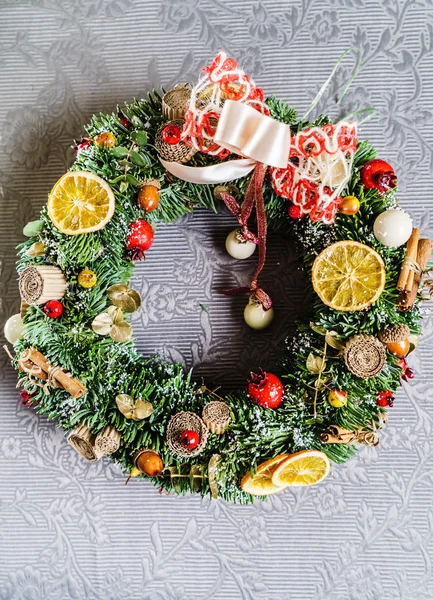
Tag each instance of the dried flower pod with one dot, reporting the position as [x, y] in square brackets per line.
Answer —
[364, 356]
[133, 409]
[177, 425]
[40, 283]
[175, 101]
[178, 152]
[107, 442]
[211, 473]
[216, 416]
[124, 298]
[81, 440]
[395, 333]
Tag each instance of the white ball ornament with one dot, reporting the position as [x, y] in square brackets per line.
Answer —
[237, 247]
[393, 227]
[14, 329]
[256, 316]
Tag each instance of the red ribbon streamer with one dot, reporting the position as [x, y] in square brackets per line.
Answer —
[253, 198]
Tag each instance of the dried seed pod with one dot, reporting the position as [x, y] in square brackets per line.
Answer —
[364, 356]
[395, 333]
[178, 424]
[216, 416]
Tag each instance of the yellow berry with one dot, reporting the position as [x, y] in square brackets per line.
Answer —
[337, 398]
[349, 205]
[87, 278]
[106, 139]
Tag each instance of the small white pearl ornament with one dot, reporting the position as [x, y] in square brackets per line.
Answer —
[237, 247]
[14, 329]
[393, 227]
[256, 316]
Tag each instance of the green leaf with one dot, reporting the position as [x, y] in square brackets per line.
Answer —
[205, 308]
[137, 159]
[123, 186]
[133, 180]
[139, 137]
[33, 228]
[119, 151]
[318, 329]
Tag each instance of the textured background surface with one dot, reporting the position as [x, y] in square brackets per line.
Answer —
[68, 530]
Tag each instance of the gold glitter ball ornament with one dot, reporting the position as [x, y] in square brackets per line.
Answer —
[87, 278]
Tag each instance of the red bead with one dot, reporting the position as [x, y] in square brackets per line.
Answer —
[125, 122]
[140, 238]
[265, 389]
[53, 309]
[189, 439]
[171, 134]
[295, 212]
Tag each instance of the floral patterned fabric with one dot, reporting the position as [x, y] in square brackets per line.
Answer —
[73, 531]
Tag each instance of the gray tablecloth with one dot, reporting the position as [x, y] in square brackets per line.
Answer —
[69, 530]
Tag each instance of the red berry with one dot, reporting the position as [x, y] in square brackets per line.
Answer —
[81, 145]
[171, 134]
[26, 398]
[53, 309]
[189, 439]
[402, 363]
[125, 122]
[140, 239]
[378, 174]
[385, 398]
[409, 373]
[265, 389]
[295, 212]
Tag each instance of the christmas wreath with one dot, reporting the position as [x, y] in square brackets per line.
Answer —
[154, 160]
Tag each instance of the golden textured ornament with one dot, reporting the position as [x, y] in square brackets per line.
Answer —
[124, 298]
[364, 356]
[216, 416]
[87, 278]
[178, 424]
[133, 409]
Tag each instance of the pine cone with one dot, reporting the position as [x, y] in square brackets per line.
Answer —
[394, 333]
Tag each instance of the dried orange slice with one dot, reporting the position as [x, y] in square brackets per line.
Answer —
[261, 484]
[307, 467]
[80, 202]
[348, 276]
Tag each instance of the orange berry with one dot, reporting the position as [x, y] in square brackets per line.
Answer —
[149, 463]
[349, 205]
[148, 197]
[399, 349]
[106, 139]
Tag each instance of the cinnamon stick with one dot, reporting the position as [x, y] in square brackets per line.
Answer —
[71, 385]
[407, 298]
[405, 280]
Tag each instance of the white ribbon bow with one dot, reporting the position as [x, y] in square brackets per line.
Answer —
[244, 131]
